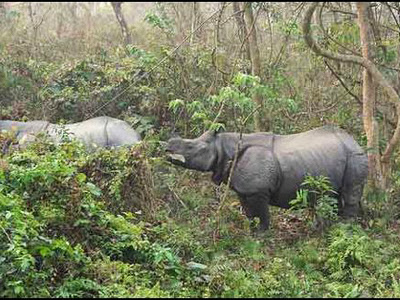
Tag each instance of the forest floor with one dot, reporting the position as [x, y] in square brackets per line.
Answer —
[121, 223]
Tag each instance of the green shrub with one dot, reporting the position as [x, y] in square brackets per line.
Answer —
[315, 201]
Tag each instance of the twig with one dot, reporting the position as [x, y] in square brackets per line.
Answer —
[244, 40]
[177, 197]
[393, 15]
[280, 53]
[8, 237]
[342, 83]
[153, 68]
[270, 38]
[231, 16]
[235, 158]
[42, 19]
[317, 111]
[343, 12]
[219, 111]
[327, 35]
[216, 40]
[236, 54]
[245, 120]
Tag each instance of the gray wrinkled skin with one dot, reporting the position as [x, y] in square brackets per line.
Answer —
[96, 132]
[270, 168]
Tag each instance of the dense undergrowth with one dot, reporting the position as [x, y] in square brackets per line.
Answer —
[124, 223]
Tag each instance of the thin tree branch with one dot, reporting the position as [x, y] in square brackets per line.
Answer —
[231, 16]
[280, 53]
[244, 40]
[153, 68]
[366, 63]
[213, 54]
[8, 237]
[343, 12]
[342, 82]
[351, 93]
[327, 35]
[270, 37]
[233, 165]
[393, 15]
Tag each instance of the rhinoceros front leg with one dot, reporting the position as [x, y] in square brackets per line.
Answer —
[256, 206]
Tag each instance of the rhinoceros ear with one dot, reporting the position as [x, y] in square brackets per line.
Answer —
[218, 129]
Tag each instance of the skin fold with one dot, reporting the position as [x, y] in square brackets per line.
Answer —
[96, 132]
[270, 168]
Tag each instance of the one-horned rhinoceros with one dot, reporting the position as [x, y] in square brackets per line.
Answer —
[270, 168]
[96, 132]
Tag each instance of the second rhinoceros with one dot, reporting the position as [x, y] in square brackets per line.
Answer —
[270, 168]
[96, 132]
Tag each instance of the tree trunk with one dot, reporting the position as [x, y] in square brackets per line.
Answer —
[379, 79]
[194, 20]
[60, 25]
[34, 29]
[2, 9]
[255, 60]
[242, 30]
[121, 20]
[374, 176]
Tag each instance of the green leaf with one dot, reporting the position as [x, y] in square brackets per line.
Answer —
[93, 189]
[18, 289]
[81, 177]
[217, 126]
[196, 266]
[8, 215]
[175, 104]
[44, 251]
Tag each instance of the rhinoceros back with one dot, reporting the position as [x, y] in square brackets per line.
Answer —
[23, 128]
[322, 151]
[90, 132]
[100, 132]
[120, 133]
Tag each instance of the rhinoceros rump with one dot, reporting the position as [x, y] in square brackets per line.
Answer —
[96, 132]
[270, 167]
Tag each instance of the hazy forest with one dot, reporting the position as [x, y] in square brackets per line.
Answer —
[125, 222]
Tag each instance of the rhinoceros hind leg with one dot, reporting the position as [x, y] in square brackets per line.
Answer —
[256, 206]
[356, 173]
[352, 201]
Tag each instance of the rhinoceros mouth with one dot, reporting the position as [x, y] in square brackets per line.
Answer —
[178, 159]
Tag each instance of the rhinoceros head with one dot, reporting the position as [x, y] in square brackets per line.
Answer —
[198, 154]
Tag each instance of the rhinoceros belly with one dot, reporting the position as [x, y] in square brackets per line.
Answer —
[307, 154]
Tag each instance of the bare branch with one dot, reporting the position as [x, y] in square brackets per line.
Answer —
[231, 16]
[366, 63]
[238, 50]
[153, 68]
[216, 38]
[393, 97]
[328, 36]
[280, 53]
[343, 12]
[121, 20]
[342, 82]
[393, 15]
